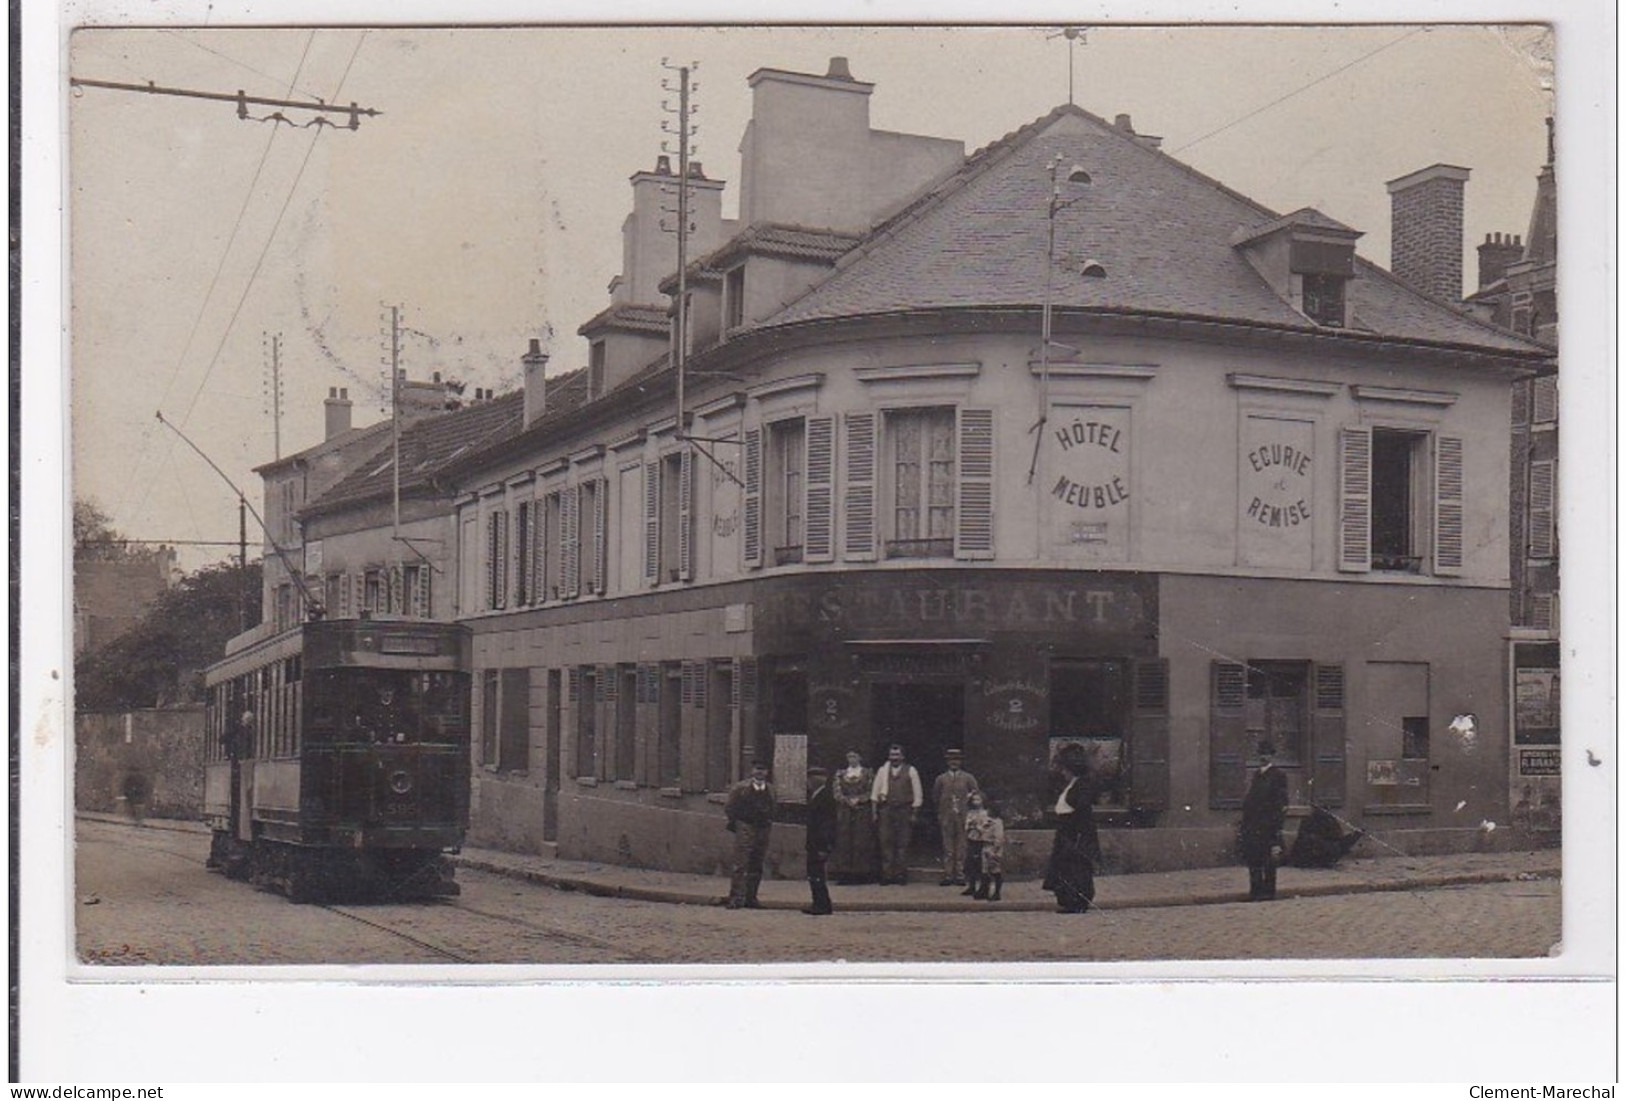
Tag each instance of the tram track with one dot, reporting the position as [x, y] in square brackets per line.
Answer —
[153, 841]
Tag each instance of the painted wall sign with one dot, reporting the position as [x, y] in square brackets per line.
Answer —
[1277, 492]
[1104, 602]
[1015, 705]
[725, 512]
[1540, 762]
[833, 707]
[1088, 479]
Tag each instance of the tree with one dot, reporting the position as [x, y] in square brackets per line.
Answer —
[160, 660]
[94, 536]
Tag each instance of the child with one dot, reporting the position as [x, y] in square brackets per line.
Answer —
[984, 849]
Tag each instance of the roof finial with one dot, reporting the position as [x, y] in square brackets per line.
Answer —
[1073, 36]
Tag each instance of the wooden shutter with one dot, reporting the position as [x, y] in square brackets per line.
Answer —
[858, 488]
[1328, 729]
[502, 559]
[688, 682]
[1449, 506]
[685, 514]
[397, 590]
[570, 540]
[651, 523]
[1148, 736]
[1354, 500]
[1227, 735]
[1542, 509]
[753, 498]
[702, 677]
[973, 511]
[610, 676]
[1545, 400]
[421, 607]
[490, 562]
[819, 515]
[600, 536]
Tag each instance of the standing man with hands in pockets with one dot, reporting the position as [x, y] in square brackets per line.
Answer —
[897, 797]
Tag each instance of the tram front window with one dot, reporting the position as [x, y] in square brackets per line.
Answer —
[388, 706]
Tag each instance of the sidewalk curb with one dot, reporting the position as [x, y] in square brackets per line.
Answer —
[683, 897]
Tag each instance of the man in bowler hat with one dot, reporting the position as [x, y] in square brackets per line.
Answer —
[750, 819]
[1263, 813]
[820, 838]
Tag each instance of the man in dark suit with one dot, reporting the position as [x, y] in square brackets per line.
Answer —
[820, 838]
[750, 819]
[1263, 813]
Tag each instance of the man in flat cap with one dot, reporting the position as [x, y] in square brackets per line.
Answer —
[951, 796]
[750, 819]
[820, 837]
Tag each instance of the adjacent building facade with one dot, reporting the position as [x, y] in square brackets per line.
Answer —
[1252, 487]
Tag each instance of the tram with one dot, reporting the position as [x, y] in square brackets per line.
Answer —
[337, 758]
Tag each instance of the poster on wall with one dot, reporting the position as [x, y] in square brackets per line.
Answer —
[1536, 698]
[1087, 480]
[790, 767]
[1277, 490]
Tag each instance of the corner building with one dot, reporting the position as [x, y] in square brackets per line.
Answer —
[1253, 487]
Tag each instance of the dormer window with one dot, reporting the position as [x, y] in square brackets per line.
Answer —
[1323, 301]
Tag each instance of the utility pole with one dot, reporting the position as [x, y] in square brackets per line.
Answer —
[395, 409]
[274, 406]
[680, 318]
[242, 561]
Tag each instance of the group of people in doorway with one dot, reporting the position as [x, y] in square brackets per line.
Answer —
[859, 823]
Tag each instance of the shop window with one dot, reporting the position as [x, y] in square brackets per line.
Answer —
[1089, 704]
[920, 461]
[786, 455]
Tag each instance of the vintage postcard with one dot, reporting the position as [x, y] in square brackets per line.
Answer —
[1014, 504]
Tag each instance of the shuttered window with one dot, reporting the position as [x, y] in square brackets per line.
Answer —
[1148, 747]
[683, 462]
[496, 548]
[1227, 735]
[1449, 505]
[1354, 500]
[820, 518]
[569, 539]
[651, 523]
[1545, 400]
[784, 493]
[1542, 509]
[973, 535]
[524, 582]
[1329, 774]
[858, 488]
[753, 497]
[920, 449]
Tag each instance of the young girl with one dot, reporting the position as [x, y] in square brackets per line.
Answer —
[984, 850]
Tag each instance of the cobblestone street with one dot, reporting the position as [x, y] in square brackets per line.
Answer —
[144, 897]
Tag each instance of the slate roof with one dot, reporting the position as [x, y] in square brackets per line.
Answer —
[643, 319]
[1162, 230]
[427, 446]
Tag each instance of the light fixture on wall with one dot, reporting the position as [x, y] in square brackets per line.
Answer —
[1075, 177]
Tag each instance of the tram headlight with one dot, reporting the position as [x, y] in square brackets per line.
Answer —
[400, 781]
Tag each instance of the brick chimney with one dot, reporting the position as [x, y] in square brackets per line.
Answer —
[1497, 251]
[535, 370]
[338, 411]
[1427, 229]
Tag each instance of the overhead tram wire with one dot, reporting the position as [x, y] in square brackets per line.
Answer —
[1298, 91]
[292, 87]
[208, 295]
[264, 251]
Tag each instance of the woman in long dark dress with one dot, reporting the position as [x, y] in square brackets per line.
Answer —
[1071, 871]
[854, 858]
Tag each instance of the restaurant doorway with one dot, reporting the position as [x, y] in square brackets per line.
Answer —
[926, 718]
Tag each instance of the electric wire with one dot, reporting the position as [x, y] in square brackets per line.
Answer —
[1298, 91]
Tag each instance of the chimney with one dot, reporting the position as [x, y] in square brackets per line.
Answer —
[1427, 229]
[535, 364]
[338, 411]
[1497, 251]
[1126, 125]
[648, 245]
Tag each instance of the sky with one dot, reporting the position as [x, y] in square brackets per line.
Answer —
[485, 201]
